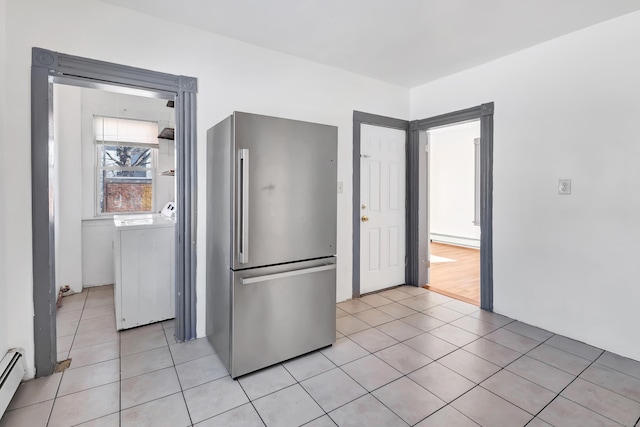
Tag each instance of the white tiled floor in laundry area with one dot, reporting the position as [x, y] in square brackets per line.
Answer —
[405, 356]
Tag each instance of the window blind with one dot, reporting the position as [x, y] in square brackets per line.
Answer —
[118, 131]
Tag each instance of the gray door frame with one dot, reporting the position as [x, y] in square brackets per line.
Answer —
[416, 192]
[360, 118]
[46, 67]
[417, 240]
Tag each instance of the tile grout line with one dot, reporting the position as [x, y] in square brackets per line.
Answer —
[543, 362]
[173, 364]
[597, 385]
[481, 336]
[55, 398]
[76, 332]
[614, 369]
[251, 401]
[478, 384]
[90, 388]
[606, 388]
[433, 360]
[370, 392]
[567, 386]
[304, 389]
[503, 368]
[352, 400]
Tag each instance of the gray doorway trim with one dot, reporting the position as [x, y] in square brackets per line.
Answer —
[483, 112]
[360, 118]
[47, 65]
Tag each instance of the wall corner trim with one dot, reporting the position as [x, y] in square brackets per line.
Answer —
[188, 84]
[44, 58]
[486, 109]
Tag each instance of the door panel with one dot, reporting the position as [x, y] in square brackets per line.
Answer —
[394, 245]
[374, 249]
[289, 188]
[382, 208]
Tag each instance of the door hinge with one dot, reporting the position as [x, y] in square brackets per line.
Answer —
[426, 148]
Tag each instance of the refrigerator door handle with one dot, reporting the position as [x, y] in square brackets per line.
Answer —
[249, 280]
[243, 211]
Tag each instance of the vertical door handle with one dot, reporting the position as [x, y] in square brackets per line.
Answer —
[243, 209]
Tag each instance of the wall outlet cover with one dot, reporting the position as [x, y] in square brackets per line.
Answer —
[564, 187]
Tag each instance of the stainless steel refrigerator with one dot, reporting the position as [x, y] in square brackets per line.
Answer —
[271, 239]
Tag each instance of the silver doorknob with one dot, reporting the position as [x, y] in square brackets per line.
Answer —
[365, 218]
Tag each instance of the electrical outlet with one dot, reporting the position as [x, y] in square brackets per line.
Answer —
[340, 187]
[564, 187]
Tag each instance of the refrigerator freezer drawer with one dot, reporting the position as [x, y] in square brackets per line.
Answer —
[279, 314]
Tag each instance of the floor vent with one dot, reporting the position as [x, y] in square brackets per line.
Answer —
[12, 370]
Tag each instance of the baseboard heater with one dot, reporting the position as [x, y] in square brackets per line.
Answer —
[12, 370]
[449, 239]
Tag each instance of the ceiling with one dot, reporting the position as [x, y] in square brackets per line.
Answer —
[404, 42]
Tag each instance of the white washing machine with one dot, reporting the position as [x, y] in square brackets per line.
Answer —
[144, 249]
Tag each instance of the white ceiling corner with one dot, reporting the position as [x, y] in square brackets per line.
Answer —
[406, 42]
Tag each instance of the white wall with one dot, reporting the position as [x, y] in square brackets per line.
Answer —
[98, 252]
[67, 114]
[568, 108]
[452, 184]
[231, 76]
[4, 324]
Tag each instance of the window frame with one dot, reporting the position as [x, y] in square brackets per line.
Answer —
[98, 168]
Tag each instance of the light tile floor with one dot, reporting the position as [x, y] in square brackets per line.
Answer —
[405, 356]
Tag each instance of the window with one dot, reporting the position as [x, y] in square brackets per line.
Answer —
[126, 165]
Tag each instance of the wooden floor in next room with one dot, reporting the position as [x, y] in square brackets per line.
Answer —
[455, 272]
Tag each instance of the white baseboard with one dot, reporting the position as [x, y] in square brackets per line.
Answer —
[468, 242]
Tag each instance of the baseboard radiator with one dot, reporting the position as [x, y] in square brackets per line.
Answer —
[449, 239]
[12, 370]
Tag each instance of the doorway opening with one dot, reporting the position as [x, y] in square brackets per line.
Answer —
[419, 218]
[48, 70]
[114, 158]
[453, 200]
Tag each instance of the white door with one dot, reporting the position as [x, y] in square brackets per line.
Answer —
[382, 207]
